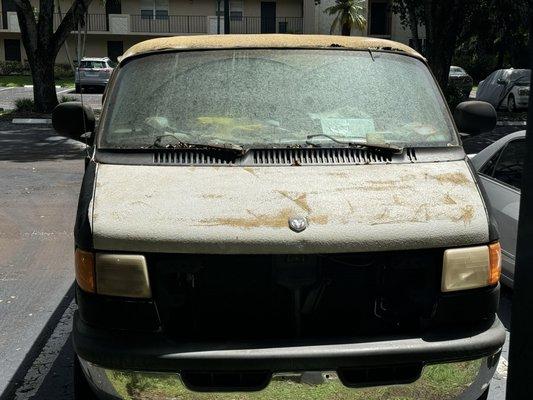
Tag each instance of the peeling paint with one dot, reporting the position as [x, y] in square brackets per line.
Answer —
[448, 199]
[300, 199]
[349, 208]
[266, 41]
[467, 214]
[455, 178]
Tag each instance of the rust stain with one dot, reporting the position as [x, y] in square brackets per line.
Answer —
[457, 178]
[300, 200]
[467, 214]
[396, 200]
[449, 199]
[422, 213]
[319, 219]
[250, 170]
[351, 206]
[278, 220]
[339, 174]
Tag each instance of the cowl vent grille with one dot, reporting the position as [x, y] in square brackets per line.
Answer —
[188, 157]
[313, 156]
[305, 156]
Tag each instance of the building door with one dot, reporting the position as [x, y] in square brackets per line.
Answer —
[115, 48]
[380, 18]
[268, 17]
[112, 7]
[7, 5]
[12, 49]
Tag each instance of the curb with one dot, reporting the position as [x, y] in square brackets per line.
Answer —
[31, 121]
[511, 123]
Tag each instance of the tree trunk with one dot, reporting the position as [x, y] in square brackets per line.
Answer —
[44, 89]
[413, 24]
[443, 21]
[346, 29]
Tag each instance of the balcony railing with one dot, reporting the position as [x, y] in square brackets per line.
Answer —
[95, 22]
[188, 24]
[266, 25]
[169, 24]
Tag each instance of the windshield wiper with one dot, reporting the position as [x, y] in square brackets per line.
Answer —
[362, 145]
[214, 149]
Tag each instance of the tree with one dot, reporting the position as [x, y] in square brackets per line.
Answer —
[42, 44]
[349, 14]
[443, 22]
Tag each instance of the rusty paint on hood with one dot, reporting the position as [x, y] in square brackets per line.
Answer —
[231, 210]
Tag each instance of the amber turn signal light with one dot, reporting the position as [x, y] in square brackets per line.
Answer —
[85, 271]
[495, 260]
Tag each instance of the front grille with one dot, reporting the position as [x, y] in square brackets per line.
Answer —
[240, 297]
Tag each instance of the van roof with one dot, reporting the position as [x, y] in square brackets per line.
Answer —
[266, 41]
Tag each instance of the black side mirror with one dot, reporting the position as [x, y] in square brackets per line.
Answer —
[72, 119]
[501, 82]
[474, 117]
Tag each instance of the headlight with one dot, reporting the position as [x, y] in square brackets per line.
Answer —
[523, 92]
[471, 267]
[124, 275]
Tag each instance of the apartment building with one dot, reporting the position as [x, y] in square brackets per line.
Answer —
[115, 25]
[381, 21]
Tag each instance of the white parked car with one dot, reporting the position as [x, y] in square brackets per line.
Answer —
[94, 72]
[506, 88]
[500, 167]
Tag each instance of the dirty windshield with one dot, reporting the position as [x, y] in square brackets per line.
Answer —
[276, 98]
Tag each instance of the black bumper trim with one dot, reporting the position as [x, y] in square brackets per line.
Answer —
[153, 352]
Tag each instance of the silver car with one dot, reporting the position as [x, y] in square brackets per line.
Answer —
[94, 72]
[500, 167]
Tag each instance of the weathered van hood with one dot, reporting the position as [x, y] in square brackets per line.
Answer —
[246, 209]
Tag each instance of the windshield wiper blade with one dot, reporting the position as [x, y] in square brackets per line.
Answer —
[363, 145]
[179, 144]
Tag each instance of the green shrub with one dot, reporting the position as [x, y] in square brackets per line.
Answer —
[62, 71]
[13, 68]
[24, 105]
[66, 99]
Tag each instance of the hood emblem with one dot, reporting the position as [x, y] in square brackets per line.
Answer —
[298, 224]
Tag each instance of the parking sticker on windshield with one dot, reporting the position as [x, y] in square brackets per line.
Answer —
[353, 128]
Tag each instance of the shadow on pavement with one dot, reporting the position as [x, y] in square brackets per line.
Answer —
[30, 143]
[58, 384]
[33, 353]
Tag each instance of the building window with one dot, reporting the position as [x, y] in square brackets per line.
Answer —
[154, 9]
[12, 50]
[235, 10]
[380, 18]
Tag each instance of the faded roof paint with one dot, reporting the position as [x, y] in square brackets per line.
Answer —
[266, 41]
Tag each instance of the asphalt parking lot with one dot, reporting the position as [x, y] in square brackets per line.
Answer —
[8, 96]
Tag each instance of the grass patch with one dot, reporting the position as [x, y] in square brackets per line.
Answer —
[438, 382]
[21, 80]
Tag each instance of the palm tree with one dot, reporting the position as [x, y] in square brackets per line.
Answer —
[349, 14]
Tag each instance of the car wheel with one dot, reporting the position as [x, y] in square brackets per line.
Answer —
[511, 103]
[82, 390]
[77, 89]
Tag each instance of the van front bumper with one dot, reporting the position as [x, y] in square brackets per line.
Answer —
[148, 366]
